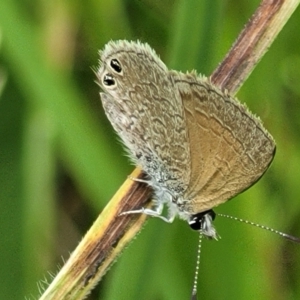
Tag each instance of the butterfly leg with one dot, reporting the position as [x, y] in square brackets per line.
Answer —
[138, 179]
[156, 212]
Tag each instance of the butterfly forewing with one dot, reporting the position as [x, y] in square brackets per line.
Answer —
[230, 149]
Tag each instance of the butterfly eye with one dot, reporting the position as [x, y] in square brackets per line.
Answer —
[116, 66]
[109, 80]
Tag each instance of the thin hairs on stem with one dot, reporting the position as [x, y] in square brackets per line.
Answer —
[194, 292]
[286, 236]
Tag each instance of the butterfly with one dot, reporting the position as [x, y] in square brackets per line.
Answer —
[198, 145]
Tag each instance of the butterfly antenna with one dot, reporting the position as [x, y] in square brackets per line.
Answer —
[194, 292]
[286, 236]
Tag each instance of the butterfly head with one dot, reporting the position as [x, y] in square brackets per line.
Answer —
[203, 222]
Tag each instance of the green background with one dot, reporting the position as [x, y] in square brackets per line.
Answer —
[60, 161]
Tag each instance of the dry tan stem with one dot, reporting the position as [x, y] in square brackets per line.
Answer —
[111, 233]
[252, 43]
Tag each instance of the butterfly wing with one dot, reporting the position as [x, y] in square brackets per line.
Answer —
[145, 109]
[230, 148]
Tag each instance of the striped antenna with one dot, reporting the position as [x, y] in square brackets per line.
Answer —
[194, 292]
[286, 236]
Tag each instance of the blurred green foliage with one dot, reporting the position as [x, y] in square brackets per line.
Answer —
[61, 162]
